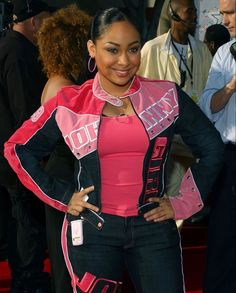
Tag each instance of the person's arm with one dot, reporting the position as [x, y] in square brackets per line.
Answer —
[206, 145]
[222, 96]
[24, 87]
[53, 85]
[218, 90]
[24, 150]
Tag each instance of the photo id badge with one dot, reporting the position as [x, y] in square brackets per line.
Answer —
[77, 232]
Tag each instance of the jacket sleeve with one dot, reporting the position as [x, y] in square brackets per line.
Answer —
[25, 82]
[205, 142]
[22, 82]
[35, 139]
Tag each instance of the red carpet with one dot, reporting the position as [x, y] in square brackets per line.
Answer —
[193, 242]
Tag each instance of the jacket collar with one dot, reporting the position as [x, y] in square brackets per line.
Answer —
[166, 46]
[101, 94]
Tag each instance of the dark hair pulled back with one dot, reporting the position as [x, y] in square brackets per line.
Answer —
[104, 18]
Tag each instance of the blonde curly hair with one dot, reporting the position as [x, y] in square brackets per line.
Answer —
[62, 40]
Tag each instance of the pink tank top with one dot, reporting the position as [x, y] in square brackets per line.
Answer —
[122, 145]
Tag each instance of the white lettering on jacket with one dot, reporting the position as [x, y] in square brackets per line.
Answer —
[157, 112]
[83, 139]
[79, 130]
[82, 136]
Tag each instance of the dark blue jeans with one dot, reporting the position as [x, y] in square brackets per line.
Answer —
[150, 251]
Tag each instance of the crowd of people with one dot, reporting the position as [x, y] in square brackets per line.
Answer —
[112, 136]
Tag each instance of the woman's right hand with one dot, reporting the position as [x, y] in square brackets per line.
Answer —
[78, 204]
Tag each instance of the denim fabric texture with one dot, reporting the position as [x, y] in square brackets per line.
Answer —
[150, 251]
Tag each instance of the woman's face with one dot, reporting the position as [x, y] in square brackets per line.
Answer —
[117, 55]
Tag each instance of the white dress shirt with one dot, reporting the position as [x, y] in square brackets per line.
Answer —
[222, 70]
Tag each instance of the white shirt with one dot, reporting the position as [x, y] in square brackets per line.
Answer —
[223, 68]
[182, 50]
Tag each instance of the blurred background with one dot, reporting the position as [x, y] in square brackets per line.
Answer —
[207, 10]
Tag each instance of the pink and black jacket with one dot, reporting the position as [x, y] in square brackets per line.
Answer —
[75, 114]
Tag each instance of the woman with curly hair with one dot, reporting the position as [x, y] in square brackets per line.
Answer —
[62, 45]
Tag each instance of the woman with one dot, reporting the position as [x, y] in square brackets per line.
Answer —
[62, 46]
[119, 127]
[62, 40]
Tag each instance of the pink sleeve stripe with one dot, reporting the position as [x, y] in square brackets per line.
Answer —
[188, 201]
[66, 255]
[21, 137]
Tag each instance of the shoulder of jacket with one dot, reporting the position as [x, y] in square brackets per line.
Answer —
[155, 43]
[69, 93]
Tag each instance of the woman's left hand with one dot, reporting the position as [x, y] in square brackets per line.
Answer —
[163, 212]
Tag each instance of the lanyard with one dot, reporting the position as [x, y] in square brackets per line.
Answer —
[184, 62]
